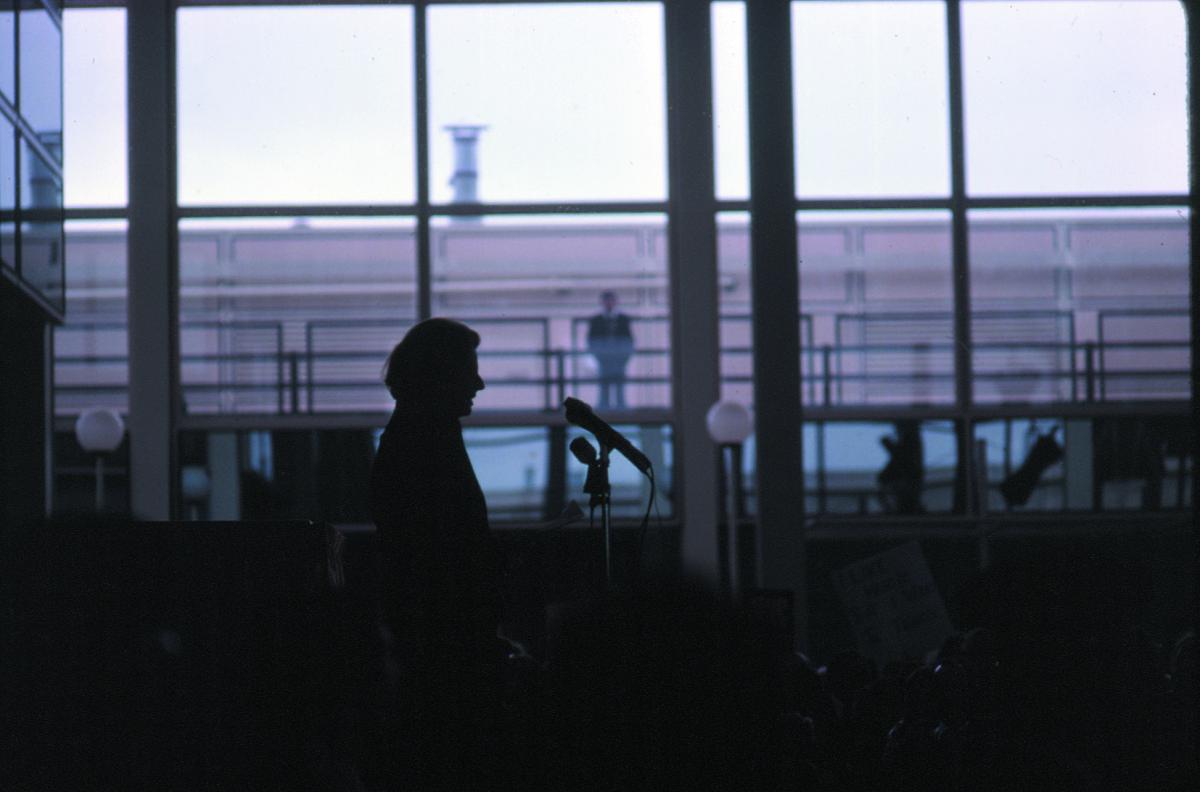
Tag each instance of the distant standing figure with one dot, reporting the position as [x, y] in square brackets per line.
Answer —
[610, 340]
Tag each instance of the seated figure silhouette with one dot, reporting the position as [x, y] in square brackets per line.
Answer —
[440, 561]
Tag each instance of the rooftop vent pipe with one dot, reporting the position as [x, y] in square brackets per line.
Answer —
[465, 179]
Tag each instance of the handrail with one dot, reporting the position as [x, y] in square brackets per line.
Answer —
[556, 371]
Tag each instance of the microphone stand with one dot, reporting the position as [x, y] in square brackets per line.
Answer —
[598, 487]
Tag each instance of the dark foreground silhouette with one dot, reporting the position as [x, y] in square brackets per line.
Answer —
[440, 562]
[119, 681]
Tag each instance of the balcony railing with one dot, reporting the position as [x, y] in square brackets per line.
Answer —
[875, 359]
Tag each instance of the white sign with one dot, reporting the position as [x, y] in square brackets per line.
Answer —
[893, 605]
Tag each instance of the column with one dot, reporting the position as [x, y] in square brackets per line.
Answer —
[776, 305]
[153, 276]
[693, 273]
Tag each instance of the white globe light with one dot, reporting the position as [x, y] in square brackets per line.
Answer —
[729, 422]
[194, 482]
[99, 430]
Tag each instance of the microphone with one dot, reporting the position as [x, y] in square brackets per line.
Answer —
[580, 414]
[583, 450]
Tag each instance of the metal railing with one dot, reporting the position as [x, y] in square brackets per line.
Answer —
[249, 367]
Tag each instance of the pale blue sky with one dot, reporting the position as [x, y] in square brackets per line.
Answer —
[314, 105]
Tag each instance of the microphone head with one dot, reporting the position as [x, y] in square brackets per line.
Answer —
[583, 450]
[576, 409]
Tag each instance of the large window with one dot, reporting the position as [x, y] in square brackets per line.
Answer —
[532, 286]
[295, 105]
[365, 177]
[1073, 207]
[569, 98]
[91, 347]
[8, 51]
[8, 195]
[1095, 103]
[990, 199]
[1076, 179]
[869, 96]
[39, 56]
[94, 146]
[292, 315]
[31, 180]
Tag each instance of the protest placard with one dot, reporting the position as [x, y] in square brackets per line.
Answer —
[893, 604]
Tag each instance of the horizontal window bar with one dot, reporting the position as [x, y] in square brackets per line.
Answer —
[570, 207]
[997, 202]
[1075, 201]
[275, 210]
[96, 213]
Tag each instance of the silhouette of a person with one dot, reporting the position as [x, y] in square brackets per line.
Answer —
[902, 479]
[610, 340]
[440, 561]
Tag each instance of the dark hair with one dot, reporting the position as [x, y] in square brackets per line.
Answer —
[427, 350]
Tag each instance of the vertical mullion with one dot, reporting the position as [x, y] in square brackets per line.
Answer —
[775, 295]
[155, 395]
[963, 396]
[693, 274]
[421, 116]
[1192, 16]
[16, 143]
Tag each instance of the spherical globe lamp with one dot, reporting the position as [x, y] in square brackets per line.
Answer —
[99, 430]
[194, 483]
[729, 423]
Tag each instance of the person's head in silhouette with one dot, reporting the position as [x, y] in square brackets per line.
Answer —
[608, 299]
[435, 366]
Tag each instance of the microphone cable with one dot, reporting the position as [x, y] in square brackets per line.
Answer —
[652, 503]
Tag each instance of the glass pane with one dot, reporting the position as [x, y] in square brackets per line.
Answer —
[1020, 478]
[900, 467]
[870, 99]
[282, 474]
[1075, 98]
[876, 303]
[630, 489]
[91, 349]
[8, 51]
[323, 474]
[8, 194]
[1088, 464]
[40, 50]
[95, 171]
[41, 236]
[735, 328]
[731, 133]
[534, 287]
[295, 105]
[511, 464]
[1080, 305]
[570, 98]
[1141, 463]
[292, 315]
